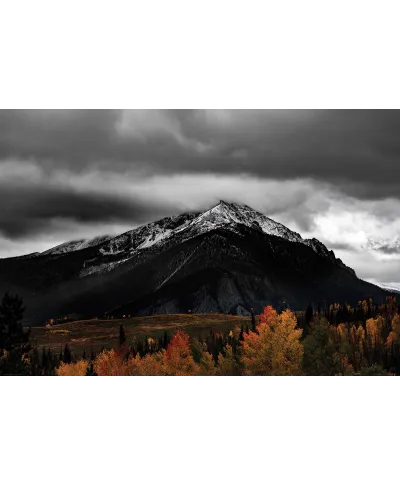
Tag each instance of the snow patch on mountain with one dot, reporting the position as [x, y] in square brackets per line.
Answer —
[77, 245]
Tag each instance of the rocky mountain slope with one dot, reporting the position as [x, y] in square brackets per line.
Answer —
[227, 259]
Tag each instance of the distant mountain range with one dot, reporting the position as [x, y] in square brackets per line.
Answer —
[227, 259]
[393, 288]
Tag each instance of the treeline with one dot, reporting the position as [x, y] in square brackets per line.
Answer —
[368, 343]
[339, 340]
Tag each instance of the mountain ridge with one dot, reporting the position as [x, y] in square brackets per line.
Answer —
[227, 259]
[217, 216]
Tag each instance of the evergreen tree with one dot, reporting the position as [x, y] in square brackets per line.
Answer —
[67, 359]
[50, 360]
[90, 370]
[12, 334]
[308, 316]
[253, 321]
[122, 337]
[319, 350]
[45, 365]
[165, 340]
[14, 340]
[35, 362]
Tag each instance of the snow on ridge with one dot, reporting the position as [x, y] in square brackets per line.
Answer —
[147, 235]
[77, 245]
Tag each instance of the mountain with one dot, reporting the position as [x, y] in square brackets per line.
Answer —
[227, 259]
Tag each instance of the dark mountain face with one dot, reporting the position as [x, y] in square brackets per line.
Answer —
[228, 259]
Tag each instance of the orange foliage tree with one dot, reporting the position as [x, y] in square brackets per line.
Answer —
[178, 359]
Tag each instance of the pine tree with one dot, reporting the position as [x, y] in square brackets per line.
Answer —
[14, 340]
[67, 359]
[50, 360]
[12, 334]
[253, 321]
[90, 370]
[122, 337]
[241, 333]
[45, 364]
[165, 340]
[308, 316]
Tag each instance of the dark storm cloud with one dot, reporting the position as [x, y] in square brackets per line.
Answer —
[388, 250]
[61, 136]
[33, 209]
[357, 150]
[343, 246]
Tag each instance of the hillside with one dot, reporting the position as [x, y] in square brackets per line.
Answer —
[88, 335]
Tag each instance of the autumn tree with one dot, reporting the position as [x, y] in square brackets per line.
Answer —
[72, 369]
[393, 344]
[227, 363]
[374, 339]
[149, 365]
[178, 359]
[110, 363]
[276, 348]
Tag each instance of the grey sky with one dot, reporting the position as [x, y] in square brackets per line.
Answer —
[330, 174]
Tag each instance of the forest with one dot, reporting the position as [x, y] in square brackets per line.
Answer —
[339, 340]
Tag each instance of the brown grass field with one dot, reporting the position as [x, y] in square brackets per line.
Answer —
[95, 334]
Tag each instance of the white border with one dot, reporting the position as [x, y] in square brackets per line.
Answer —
[199, 54]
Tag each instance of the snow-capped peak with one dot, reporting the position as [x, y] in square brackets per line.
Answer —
[227, 213]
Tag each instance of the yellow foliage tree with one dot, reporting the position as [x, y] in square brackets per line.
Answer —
[275, 347]
[227, 365]
[207, 365]
[110, 363]
[374, 332]
[149, 365]
[75, 369]
[394, 335]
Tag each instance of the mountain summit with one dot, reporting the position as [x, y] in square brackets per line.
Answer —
[229, 259]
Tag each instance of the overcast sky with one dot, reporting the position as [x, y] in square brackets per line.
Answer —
[333, 175]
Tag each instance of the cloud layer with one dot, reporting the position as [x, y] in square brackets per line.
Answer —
[331, 174]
